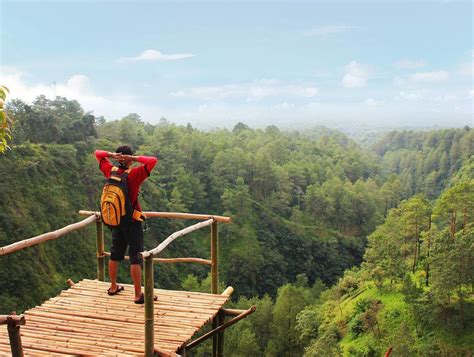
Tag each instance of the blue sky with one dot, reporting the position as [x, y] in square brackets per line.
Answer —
[213, 64]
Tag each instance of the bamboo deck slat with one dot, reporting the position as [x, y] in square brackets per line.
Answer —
[84, 320]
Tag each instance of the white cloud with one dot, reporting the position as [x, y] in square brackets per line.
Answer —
[76, 87]
[251, 91]
[436, 76]
[371, 102]
[471, 93]
[324, 31]
[356, 75]
[399, 81]
[409, 95]
[410, 64]
[153, 55]
[467, 69]
[284, 106]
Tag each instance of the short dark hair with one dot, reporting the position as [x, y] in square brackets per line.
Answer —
[124, 149]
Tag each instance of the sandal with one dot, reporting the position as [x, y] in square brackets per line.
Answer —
[119, 289]
[141, 300]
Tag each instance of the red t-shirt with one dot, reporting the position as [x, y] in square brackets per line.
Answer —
[137, 175]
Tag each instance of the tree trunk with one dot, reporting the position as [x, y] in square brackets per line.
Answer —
[415, 253]
[461, 305]
[418, 242]
[465, 221]
[428, 254]
[453, 223]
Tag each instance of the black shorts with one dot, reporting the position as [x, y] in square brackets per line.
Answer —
[130, 235]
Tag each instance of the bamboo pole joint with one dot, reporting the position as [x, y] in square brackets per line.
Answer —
[12, 320]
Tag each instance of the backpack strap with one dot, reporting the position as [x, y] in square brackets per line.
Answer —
[115, 169]
[138, 216]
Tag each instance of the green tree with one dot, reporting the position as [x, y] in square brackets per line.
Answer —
[6, 121]
[416, 218]
[285, 339]
[241, 341]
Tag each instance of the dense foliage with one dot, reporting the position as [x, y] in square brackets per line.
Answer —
[414, 291]
[5, 121]
[302, 204]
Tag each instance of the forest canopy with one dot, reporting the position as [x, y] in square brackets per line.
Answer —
[333, 242]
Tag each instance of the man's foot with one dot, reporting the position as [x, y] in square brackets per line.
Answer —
[141, 299]
[118, 289]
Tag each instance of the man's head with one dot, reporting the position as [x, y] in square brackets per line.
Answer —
[125, 150]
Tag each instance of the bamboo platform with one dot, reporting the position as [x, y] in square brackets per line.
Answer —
[83, 320]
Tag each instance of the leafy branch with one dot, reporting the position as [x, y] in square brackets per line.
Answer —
[6, 122]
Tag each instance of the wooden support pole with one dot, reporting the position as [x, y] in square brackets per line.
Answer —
[220, 335]
[228, 291]
[15, 340]
[149, 308]
[214, 281]
[214, 258]
[100, 250]
[13, 325]
[229, 323]
[232, 312]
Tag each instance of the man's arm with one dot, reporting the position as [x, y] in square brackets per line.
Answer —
[104, 163]
[101, 154]
[148, 161]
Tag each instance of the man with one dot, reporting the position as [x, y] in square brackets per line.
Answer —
[127, 234]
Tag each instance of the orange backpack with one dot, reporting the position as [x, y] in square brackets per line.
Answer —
[115, 205]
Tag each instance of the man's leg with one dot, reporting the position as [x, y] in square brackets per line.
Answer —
[135, 247]
[136, 273]
[117, 253]
[113, 267]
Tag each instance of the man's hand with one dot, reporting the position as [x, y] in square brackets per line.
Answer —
[126, 158]
[114, 155]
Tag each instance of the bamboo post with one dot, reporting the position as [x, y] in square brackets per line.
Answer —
[149, 295]
[100, 250]
[15, 340]
[13, 326]
[220, 335]
[214, 258]
[214, 280]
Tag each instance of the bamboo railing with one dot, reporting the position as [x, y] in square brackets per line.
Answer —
[150, 257]
[176, 215]
[46, 236]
